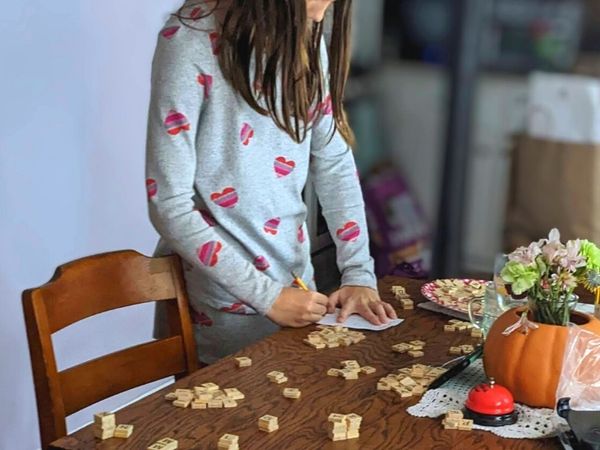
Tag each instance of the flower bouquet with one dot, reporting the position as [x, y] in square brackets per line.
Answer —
[548, 271]
[532, 339]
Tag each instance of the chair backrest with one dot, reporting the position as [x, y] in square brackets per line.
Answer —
[91, 286]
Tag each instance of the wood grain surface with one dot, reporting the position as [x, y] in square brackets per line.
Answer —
[303, 422]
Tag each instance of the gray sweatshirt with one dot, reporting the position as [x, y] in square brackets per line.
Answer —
[225, 183]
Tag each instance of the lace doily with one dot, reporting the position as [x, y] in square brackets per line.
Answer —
[533, 423]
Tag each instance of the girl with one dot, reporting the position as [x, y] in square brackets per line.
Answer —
[244, 105]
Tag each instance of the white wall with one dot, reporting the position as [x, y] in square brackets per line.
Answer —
[74, 83]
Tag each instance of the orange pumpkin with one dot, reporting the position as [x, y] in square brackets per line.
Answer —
[529, 365]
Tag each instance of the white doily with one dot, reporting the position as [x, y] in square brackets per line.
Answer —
[533, 423]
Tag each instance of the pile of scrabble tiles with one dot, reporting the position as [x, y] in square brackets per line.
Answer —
[458, 350]
[332, 337]
[277, 377]
[229, 442]
[453, 420]
[208, 395]
[456, 325]
[453, 292]
[268, 423]
[413, 348]
[105, 427]
[164, 444]
[350, 370]
[410, 381]
[344, 426]
[400, 294]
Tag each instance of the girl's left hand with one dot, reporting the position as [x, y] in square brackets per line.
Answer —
[361, 300]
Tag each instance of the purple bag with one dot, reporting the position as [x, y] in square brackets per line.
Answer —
[400, 237]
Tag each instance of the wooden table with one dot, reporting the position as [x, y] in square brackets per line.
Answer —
[303, 422]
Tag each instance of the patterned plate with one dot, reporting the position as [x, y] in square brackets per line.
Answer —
[454, 293]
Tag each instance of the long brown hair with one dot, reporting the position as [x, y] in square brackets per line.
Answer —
[287, 62]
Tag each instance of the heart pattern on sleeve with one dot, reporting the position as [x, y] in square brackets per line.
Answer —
[227, 198]
[176, 122]
[196, 13]
[238, 308]
[272, 225]
[246, 134]
[215, 42]
[206, 81]
[208, 254]
[261, 263]
[283, 167]
[349, 232]
[151, 187]
[300, 235]
[169, 32]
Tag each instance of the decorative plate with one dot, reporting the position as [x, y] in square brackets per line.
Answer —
[455, 293]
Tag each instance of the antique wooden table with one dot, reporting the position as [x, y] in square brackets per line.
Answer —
[303, 423]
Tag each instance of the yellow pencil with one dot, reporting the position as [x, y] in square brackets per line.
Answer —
[299, 282]
[598, 296]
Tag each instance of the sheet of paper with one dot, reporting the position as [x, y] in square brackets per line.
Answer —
[357, 322]
[585, 308]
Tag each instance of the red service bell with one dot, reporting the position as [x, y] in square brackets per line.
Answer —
[490, 404]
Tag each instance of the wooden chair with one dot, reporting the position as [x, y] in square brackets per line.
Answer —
[94, 285]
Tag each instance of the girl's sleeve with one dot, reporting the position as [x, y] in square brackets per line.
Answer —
[177, 95]
[333, 172]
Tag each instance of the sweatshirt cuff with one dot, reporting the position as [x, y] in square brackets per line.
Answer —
[360, 278]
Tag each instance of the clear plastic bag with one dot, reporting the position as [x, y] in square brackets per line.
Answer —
[580, 375]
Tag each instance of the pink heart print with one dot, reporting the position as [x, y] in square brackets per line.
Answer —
[237, 308]
[301, 237]
[349, 232]
[228, 198]
[326, 106]
[208, 217]
[261, 263]
[151, 187]
[176, 122]
[215, 42]
[246, 134]
[196, 13]
[283, 167]
[207, 81]
[169, 32]
[200, 318]
[272, 225]
[209, 253]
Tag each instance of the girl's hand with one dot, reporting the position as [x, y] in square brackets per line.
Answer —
[362, 300]
[298, 308]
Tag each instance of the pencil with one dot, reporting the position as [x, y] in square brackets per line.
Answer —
[299, 282]
[598, 296]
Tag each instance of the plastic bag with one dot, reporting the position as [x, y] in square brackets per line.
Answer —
[580, 375]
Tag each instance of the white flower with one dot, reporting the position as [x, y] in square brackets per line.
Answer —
[572, 260]
[526, 255]
[553, 250]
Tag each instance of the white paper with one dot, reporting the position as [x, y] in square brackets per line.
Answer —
[585, 308]
[357, 322]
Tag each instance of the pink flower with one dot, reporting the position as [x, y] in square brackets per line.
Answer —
[526, 255]
[571, 260]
